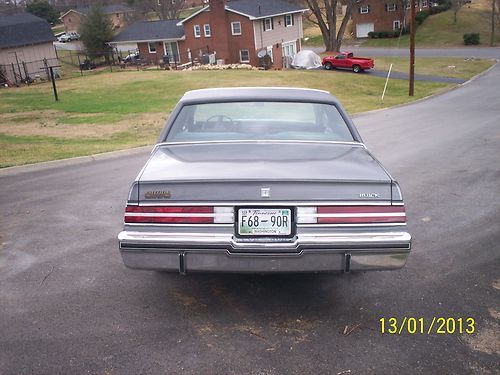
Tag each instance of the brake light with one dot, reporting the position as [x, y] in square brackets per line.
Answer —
[352, 214]
[169, 214]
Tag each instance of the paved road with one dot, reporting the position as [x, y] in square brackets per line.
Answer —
[478, 52]
[69, 46]
[67, 304]
[399, 75]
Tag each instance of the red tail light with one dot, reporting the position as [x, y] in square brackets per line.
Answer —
[169, 214]
[360, 214]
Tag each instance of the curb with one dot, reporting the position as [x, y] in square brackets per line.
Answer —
[438, 93]
[12, 171]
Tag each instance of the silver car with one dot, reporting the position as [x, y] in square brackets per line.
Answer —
[263, 180]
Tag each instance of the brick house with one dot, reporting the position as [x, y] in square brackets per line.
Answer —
[234, 30]
[379, 15]
[117, 14]
[153, 39]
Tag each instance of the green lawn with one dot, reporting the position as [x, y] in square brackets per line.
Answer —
[58, 29]
[439, 31]
[110, 111]
[438, 66]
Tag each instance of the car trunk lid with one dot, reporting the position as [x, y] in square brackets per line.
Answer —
[239, 171]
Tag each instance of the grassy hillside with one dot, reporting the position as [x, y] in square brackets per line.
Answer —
[439, 31]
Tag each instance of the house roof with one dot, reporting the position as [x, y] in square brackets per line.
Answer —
[262, 9]
[255, 10]
[106, 9]
[23, 29]
[151, 31]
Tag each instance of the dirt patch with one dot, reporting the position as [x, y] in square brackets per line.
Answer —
[486, 339]
[187, 301]
[45, 123]
[494, 313]
[297, 329]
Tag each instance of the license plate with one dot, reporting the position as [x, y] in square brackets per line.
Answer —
[264, 221]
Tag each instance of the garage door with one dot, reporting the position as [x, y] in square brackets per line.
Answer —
[362, 29]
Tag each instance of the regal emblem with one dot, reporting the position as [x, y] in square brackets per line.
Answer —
[265, 192]
[157, 194]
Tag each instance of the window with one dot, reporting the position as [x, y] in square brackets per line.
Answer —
[289, 49]
[288, 20]
[268, 24]
[152, 47]
[197, 31]
[396, 25]
[244, 55]
[206, 29]
[259, 120]
[236, 28]
[390, 7]
[424, 3]
[363, 9]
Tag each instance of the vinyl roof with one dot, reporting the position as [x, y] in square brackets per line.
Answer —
[258, 93]
[23, 29]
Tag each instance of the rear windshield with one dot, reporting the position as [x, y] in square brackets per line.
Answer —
[259, 121]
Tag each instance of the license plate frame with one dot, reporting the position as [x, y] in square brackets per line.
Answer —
[291, 226]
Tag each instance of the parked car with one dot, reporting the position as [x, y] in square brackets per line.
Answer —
[263, 180]
[68, 37]
[347, 60]
[132, 58]
[87, 65]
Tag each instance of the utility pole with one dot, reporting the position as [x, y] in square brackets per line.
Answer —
[411, 90]
[492, 43]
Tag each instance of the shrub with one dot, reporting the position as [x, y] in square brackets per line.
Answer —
[439, 9]
[471, 39]
[421, 16]
[387, 34]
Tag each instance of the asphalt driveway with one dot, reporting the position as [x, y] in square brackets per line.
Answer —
[67, 304]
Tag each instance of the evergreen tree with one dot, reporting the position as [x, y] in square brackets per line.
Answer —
[43, 9]
[96, 32]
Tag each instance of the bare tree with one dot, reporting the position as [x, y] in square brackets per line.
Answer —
[456, 5]
[497, 11]
[11, 6]
[325, 16]
[162, 9]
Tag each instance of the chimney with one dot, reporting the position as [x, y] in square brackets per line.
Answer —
[220, 29]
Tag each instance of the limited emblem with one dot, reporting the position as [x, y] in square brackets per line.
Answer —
[369, 195]
[157, 194]
[265, 192]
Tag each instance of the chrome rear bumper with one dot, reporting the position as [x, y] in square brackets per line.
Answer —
[178, 252]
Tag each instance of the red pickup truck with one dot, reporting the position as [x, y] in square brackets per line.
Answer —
[346, 60]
